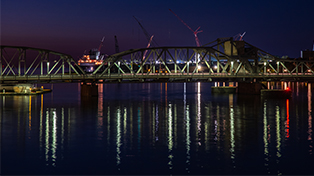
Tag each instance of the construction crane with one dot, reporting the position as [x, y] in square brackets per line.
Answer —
[116, 44]
[102, 41]
[148, 45]
[239, 36]
[148, 36]
[194, 32]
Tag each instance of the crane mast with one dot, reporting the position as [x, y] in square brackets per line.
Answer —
[194, 32]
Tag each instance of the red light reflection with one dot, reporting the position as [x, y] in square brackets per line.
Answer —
[288, 119]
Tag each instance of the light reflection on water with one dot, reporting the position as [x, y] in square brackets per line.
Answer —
[310, 123]
[164, 128]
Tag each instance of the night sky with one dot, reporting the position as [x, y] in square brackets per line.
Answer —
[280, 27]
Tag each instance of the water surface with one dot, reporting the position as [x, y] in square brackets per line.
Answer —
[156, 128]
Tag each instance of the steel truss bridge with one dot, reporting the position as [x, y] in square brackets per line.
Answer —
[221, 60]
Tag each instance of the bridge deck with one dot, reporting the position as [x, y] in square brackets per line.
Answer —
[161, 77]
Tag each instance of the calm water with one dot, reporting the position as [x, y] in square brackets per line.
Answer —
[156, 128]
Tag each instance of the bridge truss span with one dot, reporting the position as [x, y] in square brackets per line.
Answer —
[223, 59]
[28, 61]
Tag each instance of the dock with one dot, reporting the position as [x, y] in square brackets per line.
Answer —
[37, 92]
[276, 93]
[21, 89]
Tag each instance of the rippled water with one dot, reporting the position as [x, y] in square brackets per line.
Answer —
[156, 128]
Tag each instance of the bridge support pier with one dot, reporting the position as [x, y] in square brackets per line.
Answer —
[89, 90]
[249, 88]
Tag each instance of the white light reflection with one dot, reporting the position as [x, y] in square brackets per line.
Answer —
[124, 120]
[207, 127]
[188, 138]
[216, 122]
[29, 114]
[51, 147]
[47, 137]
[187, 129]
[54, 138]
[170, 136]
[175, 124]
[41, 122]
[265, 137]
[118, 137]
[309, 99]
[184, 95]
[199, 113]
[285, 86]
[157, 123]
[278, 137]
[232, 131]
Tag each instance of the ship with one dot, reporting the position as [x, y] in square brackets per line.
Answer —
[89, 62]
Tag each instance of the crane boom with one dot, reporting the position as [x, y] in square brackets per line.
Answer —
[148, 45]
[145, 32]
[101, 44]
[239, 36]
[181, 20]
[194, 32]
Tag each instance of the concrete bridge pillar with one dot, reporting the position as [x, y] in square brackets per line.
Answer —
[89, 90]
[249, 88]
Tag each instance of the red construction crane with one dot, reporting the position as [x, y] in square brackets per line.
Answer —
[194, 32]
[148, 45]
[239, 36]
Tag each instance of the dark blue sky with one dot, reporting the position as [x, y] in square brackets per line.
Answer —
[280, 27]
